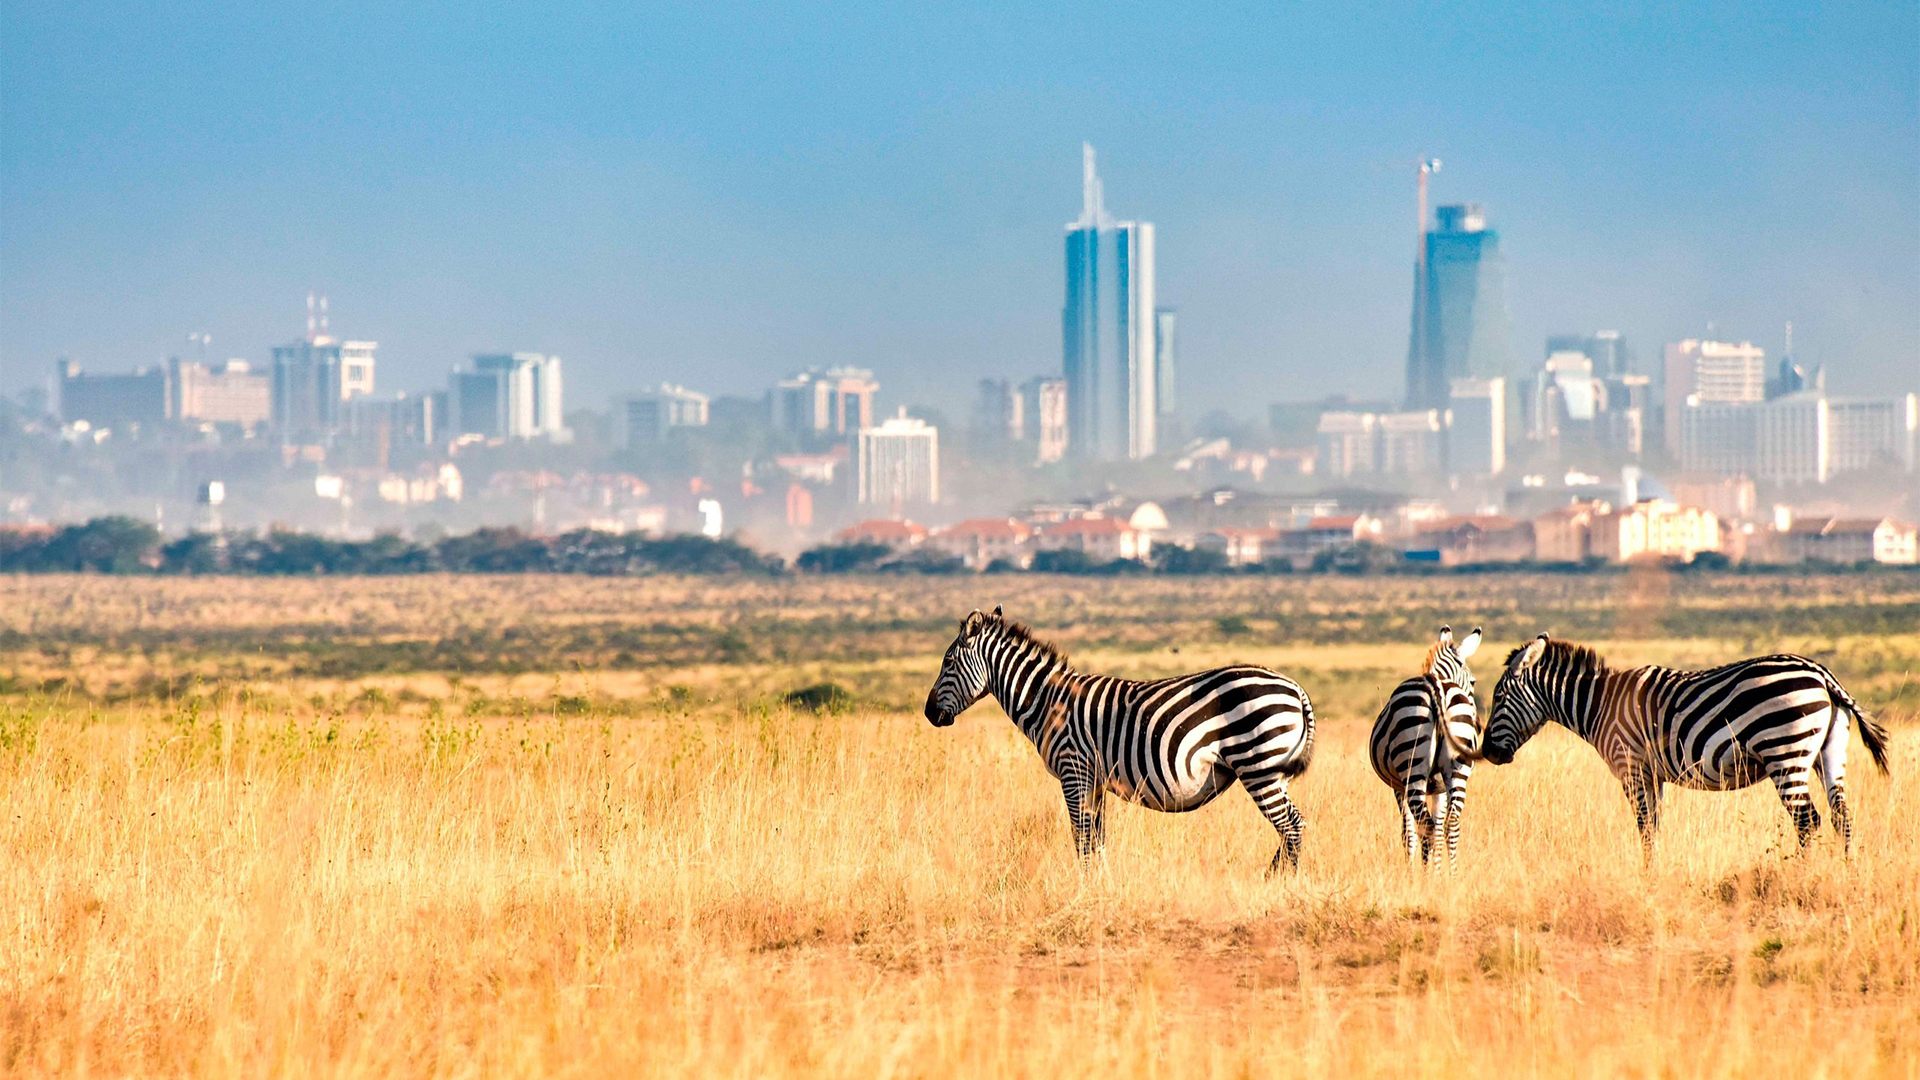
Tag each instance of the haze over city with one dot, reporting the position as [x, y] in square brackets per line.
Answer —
[728, 193]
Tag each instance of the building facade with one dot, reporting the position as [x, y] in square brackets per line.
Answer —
[1107, 332]
[837, 401]
[312, 377]
[112, 401]
[1460, 323]
[1043, 404]
[231, 393]
[1710, 373]
[1165, 322]
[530, 400]
[1803, 438]
[898, 463]
[649, 416]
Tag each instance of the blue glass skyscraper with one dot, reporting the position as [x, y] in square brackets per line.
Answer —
[1460, 321]
[1107, 331]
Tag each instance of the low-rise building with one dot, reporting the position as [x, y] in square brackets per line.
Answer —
[1241, 546]
[1103, 539]
[1850, 540]
[1474, 538]
[980, 542]
[1655, 528]
[1566, 535]
[892, 532]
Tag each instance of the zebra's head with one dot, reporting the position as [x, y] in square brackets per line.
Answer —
[1448, 658]
[1520, 703]
[963, 672]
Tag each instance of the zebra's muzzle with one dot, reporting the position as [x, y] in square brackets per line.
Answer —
[936, 716]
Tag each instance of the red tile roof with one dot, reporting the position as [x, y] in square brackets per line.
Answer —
[989, 529]
[884, 530]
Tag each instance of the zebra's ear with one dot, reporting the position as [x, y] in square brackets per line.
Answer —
[1446, 635]
[996, 612]
[971, 625]
[1468, 645]
[1530, 655]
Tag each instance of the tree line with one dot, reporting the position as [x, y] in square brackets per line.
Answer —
[124, 545]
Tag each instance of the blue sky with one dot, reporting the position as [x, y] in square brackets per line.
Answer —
[717, 194]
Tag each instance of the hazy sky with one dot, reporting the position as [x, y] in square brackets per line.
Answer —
[718, 194]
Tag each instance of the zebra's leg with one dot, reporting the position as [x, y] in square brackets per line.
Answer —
[1793, 783]
[1270, 795]
[1833, 773]
[1077, 787]
[1409, 826]
[1436, 827]
[1643, 791]
[1456, 805]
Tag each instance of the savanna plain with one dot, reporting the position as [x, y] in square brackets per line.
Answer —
[475, 826]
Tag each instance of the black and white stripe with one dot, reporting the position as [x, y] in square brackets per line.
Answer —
[1780, 718]
[1168, 744]
[1412, 754]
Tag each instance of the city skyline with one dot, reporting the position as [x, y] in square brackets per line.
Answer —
[609, 210]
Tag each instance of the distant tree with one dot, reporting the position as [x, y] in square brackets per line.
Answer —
[924, 561]
[113, 545]
[842, 558]
[1063, 561]
[1174, 559]
[493, 551]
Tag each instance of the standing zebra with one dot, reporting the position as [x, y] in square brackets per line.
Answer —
[1168, 744]
[1776, 718]
[1429, 781]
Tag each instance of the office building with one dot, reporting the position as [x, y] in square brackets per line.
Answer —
[648, 417]
[531, 401]
[837, 401]
[477, 404]
[1802, 438]
[1709, 373]
[1107, 331]
[1043, 407]
[401, 420]
[999, 416]
[231, 393]
[898, 463]
[1411, 443]
[1460, 323]
[1606, 348]
[1477, 437]
[1164, 320]
[1348, 443]
[112, 401]
[312, 377]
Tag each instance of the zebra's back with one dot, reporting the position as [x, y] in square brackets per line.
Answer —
[1730, 726]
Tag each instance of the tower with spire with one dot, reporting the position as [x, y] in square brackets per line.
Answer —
[1107, 330]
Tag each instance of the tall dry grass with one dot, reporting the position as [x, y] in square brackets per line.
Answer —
[669, 873]
[863, 895]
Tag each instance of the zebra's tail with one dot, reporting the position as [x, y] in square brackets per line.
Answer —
[1872, 731]
[1304, 756]
[1472, 750]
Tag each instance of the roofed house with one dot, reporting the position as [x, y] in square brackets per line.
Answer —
[1850, 540]
[896, 534]
[1242, 547]
[979, 542]
[1475, 538]
[1330, 533]
[1102, 538]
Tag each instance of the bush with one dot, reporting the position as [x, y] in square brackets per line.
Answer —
[842, 558]
[1173, 559]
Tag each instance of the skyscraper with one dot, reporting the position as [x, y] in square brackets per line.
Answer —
[1460, 323]
[1606, 348]
[1107, 331]
[532, 396]
[1163, 359]
[898, 463]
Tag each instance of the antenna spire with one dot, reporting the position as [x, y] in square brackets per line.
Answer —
[312, 322]
[1093, 200]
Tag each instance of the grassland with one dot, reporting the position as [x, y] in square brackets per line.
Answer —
[487, 826]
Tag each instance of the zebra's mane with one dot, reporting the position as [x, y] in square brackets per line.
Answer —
[1433, 653]
[1023, 634]
[1570, 655]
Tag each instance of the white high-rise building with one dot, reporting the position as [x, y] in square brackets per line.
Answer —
[1710, 373]
[1801, 438]
[1477, 441]
[648, 417]
[526, 402]
[899, 463]
[1108, 330]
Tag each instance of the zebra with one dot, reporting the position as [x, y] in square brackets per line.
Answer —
[1429, 781]
[1167, 744]
[1777, 718]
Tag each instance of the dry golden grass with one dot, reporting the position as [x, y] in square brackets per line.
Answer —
[663, 871]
